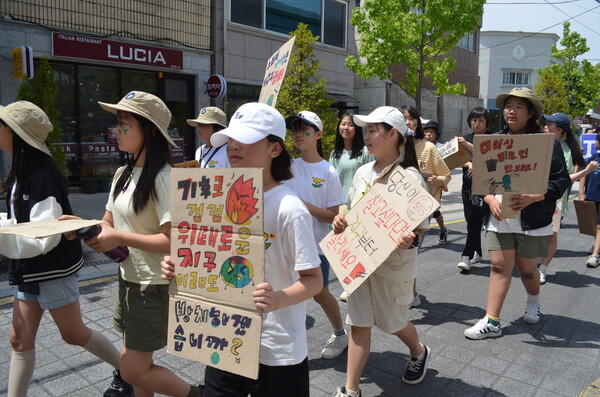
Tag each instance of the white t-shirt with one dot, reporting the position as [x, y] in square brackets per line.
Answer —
[319, 185]
[141, 267]
[514, 225]
[212, 157]
[289, 248]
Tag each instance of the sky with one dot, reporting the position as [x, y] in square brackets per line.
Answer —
[547, 16]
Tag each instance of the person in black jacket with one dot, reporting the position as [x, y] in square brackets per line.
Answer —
[44, 270]
[522, 240]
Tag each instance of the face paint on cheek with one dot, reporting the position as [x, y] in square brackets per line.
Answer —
[125, 131]
[307, 133]
[505, 112]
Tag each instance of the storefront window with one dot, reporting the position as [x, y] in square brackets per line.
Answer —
[134, 80]
[238, 94]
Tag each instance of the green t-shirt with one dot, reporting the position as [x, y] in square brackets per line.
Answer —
[346, 167]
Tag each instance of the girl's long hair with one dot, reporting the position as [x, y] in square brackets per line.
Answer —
[410, 154]
[419, 133]
[25, 161]
[358, 143]
[157, 156]
[576, 154]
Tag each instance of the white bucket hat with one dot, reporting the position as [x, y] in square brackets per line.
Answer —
[146, 105]
[29, 122]
[250, 123]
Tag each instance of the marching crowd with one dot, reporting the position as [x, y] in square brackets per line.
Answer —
[304, 198]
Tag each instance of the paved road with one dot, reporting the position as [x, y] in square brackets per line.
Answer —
[560, 356]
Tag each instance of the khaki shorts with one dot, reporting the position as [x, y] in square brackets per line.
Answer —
[141, 315]
[526, 246]
[382, 300]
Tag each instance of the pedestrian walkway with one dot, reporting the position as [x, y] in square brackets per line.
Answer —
[560, 356]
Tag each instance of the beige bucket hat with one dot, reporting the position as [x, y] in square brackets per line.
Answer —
[209, 115]
[145, 105]
[521, 92]
[29, 122]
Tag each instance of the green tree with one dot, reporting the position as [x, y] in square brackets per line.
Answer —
[303, 89]
[550, 91]
[581, 79]
[416, 34]
[42, 91]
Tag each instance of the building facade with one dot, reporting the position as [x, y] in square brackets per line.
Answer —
[511, 59]
[101, 50]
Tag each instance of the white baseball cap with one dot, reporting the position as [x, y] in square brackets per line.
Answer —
[309, 118]
[383, 114]
[250, 123]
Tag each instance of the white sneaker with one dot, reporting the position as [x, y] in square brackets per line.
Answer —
[335, 346]
[593, 261]
[542, 277]
[532, 313]
[482, 329]
[344, 297]
[341, 392]
[476, 258]
[464, 263]
[415, 302]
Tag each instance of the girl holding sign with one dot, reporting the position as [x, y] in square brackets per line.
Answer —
[138, 216]
[44, 270]
[255, 138]
[520, 241]
[383, 299]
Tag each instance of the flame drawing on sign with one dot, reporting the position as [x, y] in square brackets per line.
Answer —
[241, 204]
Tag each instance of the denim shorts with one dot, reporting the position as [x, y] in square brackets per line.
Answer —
[54, 293]
[325, 270]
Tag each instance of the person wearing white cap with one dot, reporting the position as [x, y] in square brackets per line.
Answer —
[317, 184]
[44, 270]
[382, 300]
[138, 216]
[255, 138]
[211, 119]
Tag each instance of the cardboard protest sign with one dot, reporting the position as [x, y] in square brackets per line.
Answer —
[275, 72]
[217, 245]
[454, 155]
[47, 227]
[396, 203]
[586, 217]
[511, 163]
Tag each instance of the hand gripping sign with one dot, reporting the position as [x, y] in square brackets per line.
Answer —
[395, 204]
[218, 247]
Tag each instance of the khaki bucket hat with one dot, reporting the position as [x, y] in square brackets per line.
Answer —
[29, 122]
[521, 92]
[146, 105]
[209, 115]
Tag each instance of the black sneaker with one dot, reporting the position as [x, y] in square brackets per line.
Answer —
[118, 387]
[416, 369]
[443, 237]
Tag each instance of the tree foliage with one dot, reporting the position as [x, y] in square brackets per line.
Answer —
[42, 90]
[581, 79]
[414, 33]
[550, 91]
[303, 89]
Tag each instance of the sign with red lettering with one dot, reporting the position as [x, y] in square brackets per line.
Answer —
[216, 86]
[82, 47]
[275, 72]
[395, 204]
[218, 247]
[511, 163]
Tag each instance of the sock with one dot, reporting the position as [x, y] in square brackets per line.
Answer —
[195, 391]
[495, 321]
[339, 332]
[533, 298]
[352, 393]
[101, 347]
[543, 268]
[20, 372]
[420, 356]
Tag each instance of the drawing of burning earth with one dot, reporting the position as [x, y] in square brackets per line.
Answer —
[237, 272]
[241, 204]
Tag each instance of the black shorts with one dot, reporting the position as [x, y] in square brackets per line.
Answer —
[273, 381]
